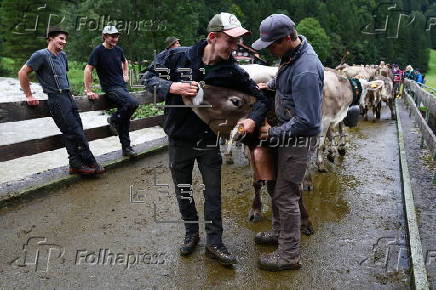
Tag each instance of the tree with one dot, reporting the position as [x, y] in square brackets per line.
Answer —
[316, 35]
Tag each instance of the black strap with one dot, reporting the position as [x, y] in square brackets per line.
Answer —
[56, 77]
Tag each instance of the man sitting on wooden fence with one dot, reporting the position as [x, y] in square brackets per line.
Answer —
[51, 66]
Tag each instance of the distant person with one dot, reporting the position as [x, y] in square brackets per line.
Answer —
[409, 73]
[397, 78]
[419, 78]
[51, 66]
[113, 71]
[172, 42]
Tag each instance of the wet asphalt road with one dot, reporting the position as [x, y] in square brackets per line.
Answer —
[95, 234]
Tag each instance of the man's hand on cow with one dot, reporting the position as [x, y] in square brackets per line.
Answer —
[248, 124]
[262, 86]
[187, 89]
[264, 131]
[31, 101]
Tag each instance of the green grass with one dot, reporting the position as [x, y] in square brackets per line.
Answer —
[430, 77]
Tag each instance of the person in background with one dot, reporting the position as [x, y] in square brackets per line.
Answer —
[51, 66]
[113, 71]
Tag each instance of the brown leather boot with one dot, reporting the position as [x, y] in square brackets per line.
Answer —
[274, 262]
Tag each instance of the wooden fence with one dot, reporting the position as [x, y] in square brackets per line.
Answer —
[20, 111]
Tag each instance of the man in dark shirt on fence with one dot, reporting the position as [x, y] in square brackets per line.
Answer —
[113, 71]
[51, 66]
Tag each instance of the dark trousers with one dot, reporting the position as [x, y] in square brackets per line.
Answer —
[182, 157]
[65, 114]
[126, 105]
[292, 162]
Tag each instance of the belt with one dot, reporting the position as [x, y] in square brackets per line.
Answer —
[58, 92]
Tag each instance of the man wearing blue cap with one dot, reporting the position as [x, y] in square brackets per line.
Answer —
[299, 85]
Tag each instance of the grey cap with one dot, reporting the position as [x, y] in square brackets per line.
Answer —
[273, 28]
[170, 41]
[110, 30]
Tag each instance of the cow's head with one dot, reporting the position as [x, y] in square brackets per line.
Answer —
[225, 107]
[371, 90]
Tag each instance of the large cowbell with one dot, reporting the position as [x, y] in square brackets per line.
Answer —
[352, 116]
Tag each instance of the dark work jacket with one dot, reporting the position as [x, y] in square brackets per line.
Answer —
[299, 89]
[181, 123]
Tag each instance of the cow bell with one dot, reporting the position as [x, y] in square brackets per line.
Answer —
[352, 116]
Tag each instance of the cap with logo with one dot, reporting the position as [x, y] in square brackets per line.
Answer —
[170, 41]
[110, 30]
[54, 29]
[273, 28]
[227, 23]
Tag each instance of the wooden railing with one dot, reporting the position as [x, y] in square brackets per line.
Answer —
[20, 111]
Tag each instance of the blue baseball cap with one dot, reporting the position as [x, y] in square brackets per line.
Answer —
[273, 28]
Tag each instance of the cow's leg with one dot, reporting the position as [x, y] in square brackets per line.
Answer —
[365, 112]
[255, 212]
[306, 224]
[377, 111]
[391, 105]
[331, 149]
[342, 139]
[321, 147]
[307, 182]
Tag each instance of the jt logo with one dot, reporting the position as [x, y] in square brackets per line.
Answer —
[386, 20]
[31, 20]
[38, 253]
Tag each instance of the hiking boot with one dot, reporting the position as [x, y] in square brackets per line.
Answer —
[189, 244]
[274, 262]
[112, 126]
[99, 169]
[221, 254]
[128, 151]
[267, 238]
[82, 170]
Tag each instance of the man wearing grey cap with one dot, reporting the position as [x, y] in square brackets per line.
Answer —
[298, 85]
[113, 71]
[190, 139]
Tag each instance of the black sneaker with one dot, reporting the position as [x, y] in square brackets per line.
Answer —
[221, 254]
[189, 244]
[128, 151]
[112, 126]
